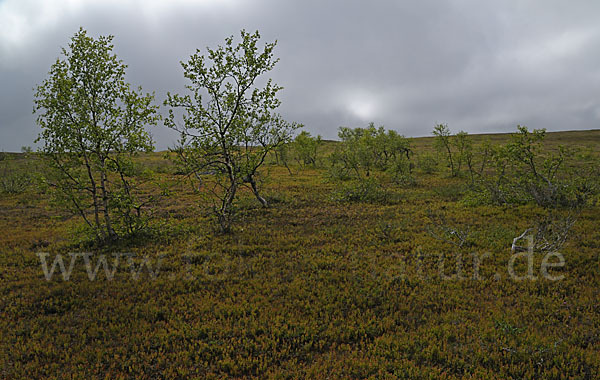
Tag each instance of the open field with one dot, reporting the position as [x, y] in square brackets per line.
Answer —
[311, 287]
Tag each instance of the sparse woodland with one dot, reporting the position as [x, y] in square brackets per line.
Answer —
[277, 254]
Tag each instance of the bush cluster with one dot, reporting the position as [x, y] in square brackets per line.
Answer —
[363, 150]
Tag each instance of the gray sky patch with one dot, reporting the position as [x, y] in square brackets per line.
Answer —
[478, 66]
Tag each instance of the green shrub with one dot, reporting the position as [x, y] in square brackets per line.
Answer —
[363, 150]
[15, 177]
[366, 190]
[401, 171]
[14, 183]
[427, 163]
[305, 148]
[457, 149]
[338, 173]
[521, 173]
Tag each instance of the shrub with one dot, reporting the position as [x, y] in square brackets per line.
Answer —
[427, 163]
[441, 229]
[443, 145]
[364, 149]
[338, 172]
[521, 173]
[457, 149]
[305, 148]
[14, 183]
[14, 177]
[282, 156]
[401, 171]
[366, 190]
[549, 233]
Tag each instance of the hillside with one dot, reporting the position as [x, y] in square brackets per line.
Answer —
[315, 286]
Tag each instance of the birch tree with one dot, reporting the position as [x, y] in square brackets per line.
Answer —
[228, 125]
[92, 124]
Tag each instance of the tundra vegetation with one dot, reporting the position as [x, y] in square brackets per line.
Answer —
[379, 256]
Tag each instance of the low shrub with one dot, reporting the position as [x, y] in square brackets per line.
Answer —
[427, 163]
[14, 183]
[14, 177]
[522, 173]
[366, 190]
[401, 172]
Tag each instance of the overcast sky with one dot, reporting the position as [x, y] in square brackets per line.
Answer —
[480, 66]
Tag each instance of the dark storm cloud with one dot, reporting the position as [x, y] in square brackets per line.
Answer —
[479, 66]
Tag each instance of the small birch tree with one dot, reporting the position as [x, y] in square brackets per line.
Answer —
[229, 126]
[92, 124]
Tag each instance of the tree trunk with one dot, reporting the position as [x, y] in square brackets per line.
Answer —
[98, 230]
[107, 219]
[451, 160]
[224, 215]
[262, 200]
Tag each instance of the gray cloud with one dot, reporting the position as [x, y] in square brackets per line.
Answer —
[479, 66]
